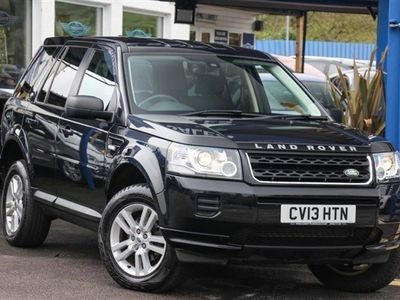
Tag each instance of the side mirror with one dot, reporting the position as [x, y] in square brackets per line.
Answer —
[86, 107]
[336, 114]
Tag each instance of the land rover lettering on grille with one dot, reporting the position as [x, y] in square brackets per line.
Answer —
[293, 147]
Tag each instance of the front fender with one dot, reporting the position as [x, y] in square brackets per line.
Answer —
[150, 160]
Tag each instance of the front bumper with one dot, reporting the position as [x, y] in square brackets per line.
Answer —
[220, 221]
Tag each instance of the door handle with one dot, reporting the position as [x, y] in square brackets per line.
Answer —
[66, 131]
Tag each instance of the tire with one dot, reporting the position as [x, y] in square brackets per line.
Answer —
[165, 272]
[33, 225]
[364, 280]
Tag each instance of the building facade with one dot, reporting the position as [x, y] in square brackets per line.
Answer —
[24, 24]
[223, 25]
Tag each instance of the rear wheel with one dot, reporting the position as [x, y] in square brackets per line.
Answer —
[359, 278]
[23, 221]
[131, 244]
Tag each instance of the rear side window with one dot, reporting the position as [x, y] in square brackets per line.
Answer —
[99, 79]
[58, 84]
[30, 82]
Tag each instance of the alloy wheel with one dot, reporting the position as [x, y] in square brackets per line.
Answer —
[136, 242]
[14, 204]
[349, 269]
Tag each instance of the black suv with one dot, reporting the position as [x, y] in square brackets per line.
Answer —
[176, 153]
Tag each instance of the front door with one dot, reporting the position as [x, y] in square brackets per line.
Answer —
[81, 143]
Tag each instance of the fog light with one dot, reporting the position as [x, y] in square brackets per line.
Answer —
[380, 173]
[229, 169]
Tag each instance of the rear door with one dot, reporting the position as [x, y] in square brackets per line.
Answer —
[42, 117]
[81, 143]
[37, 124]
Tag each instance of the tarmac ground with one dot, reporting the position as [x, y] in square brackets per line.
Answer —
[68, 266]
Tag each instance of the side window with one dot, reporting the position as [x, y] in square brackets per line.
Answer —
[99, 79]
[31, 80]
[62, 77]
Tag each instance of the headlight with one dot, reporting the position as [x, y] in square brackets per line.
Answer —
[387, 166]
[204, 161]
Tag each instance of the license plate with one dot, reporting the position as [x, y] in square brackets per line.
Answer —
[318, 214]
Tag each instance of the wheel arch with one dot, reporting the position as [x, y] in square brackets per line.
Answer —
[124, 175]
[14, 149]
[131, 172]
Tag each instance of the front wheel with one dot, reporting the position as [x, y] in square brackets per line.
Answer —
[131, 244]
[359, 278]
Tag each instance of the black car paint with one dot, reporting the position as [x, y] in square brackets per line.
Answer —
[99, 150]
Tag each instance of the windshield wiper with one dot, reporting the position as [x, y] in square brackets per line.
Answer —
[294, 117]
[255, 116]
[223, 113]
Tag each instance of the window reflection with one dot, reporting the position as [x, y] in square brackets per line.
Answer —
[99, 80]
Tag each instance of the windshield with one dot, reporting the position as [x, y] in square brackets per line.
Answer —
[322, 92]
[185, 83]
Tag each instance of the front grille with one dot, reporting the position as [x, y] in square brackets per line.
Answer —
[315, 236]
[309, 168]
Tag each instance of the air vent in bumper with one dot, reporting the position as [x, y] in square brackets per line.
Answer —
[315, 236]
[207, 206]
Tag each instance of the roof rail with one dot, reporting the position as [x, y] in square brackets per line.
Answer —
[223, 46]
[184, 43]
[163, 41]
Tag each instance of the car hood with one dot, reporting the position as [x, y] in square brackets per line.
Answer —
[245, 133]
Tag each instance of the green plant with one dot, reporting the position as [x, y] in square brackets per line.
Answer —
[364, 100]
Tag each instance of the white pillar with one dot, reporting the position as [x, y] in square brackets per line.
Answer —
[43, 22]
[112, 19]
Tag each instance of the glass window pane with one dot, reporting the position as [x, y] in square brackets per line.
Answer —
[64, 76]
[209, 82]
[137, 25]
[30, 83]
[99, 80]
[15, 41]
[77, 20]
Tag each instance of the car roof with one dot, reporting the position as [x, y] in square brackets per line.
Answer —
[130, 44]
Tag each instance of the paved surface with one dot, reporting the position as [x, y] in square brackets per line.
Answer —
[68, 267]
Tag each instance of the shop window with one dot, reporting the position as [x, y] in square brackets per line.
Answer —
[235, 39]
[77, 20]
[15, 41]
[99, 80]
[138, 25]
